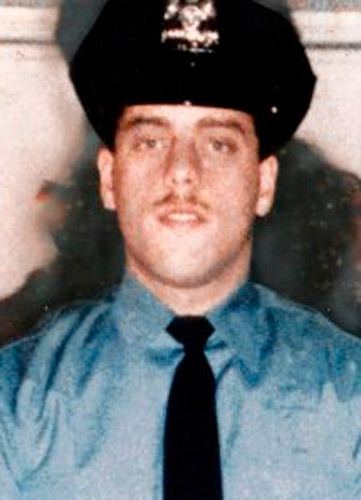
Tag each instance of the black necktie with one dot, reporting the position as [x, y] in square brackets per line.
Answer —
[191, 447]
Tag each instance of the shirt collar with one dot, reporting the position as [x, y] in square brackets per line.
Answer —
[240, 322]
[140, 316]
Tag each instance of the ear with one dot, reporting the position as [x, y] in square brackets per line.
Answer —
[267, 185]
[105, 162]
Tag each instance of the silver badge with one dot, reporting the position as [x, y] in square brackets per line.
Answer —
[190, 25]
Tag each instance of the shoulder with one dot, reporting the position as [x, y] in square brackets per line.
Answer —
[49, 376]
[60, 341]
[301, 320]
[329, 353]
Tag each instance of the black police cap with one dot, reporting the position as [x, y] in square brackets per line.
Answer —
[228, 53]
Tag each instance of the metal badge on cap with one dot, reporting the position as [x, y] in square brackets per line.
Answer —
[190, 25]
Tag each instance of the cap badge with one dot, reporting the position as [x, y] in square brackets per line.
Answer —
[190, 25]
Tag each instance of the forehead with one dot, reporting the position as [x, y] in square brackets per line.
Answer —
[183, 116]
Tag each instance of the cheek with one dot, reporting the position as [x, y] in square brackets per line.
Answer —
[133, 177]
[135, 194]
[237, 192]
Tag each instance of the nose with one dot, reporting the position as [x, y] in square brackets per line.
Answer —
[183, 167]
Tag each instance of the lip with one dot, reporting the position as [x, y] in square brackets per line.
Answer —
[181, 216]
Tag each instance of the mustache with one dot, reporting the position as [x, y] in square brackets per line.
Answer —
[176, 200]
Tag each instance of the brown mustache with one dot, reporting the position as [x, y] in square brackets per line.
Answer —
[172, 200]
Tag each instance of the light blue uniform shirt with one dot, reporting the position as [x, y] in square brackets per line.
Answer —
[83, 401]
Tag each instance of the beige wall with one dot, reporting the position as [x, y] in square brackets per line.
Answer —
[334, 121]
[40, 135]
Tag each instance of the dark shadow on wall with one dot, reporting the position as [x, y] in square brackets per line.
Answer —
[75, 20]
[306, 248]
[279, 5]
[90, 254]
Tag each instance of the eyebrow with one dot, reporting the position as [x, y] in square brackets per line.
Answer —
[138, 121]
[158, 121]
[228, 123]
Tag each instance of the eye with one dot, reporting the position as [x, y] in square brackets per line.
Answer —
[222, 146]
[148, 143]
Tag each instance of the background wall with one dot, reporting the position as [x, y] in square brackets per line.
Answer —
[45, 143]
[41, 133]
[333, 39]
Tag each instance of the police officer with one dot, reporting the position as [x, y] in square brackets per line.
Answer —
[188, 382]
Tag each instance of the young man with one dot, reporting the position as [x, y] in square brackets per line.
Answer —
[188, 382]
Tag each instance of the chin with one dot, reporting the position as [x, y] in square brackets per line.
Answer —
[184, 274]
[186, 263]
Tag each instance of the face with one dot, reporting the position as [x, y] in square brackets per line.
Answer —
[186, 183]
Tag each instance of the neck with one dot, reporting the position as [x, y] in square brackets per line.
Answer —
[193, 299]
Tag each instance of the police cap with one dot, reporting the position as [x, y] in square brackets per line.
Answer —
[233, 54]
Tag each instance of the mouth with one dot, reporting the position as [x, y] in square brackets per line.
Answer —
[181, 216]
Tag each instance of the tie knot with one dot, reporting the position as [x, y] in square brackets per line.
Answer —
[191, 331]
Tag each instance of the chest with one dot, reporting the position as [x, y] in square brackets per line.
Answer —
[275, 443]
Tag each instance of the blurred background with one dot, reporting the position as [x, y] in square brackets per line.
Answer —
[57, 244]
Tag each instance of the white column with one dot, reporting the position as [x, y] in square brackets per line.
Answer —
[333, 40]
[41, 133]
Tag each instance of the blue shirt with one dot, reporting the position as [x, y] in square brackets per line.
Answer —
[83, 401]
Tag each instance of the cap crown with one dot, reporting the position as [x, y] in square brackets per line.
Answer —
[221, 53]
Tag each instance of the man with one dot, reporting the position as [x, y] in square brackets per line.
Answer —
[188, 382]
